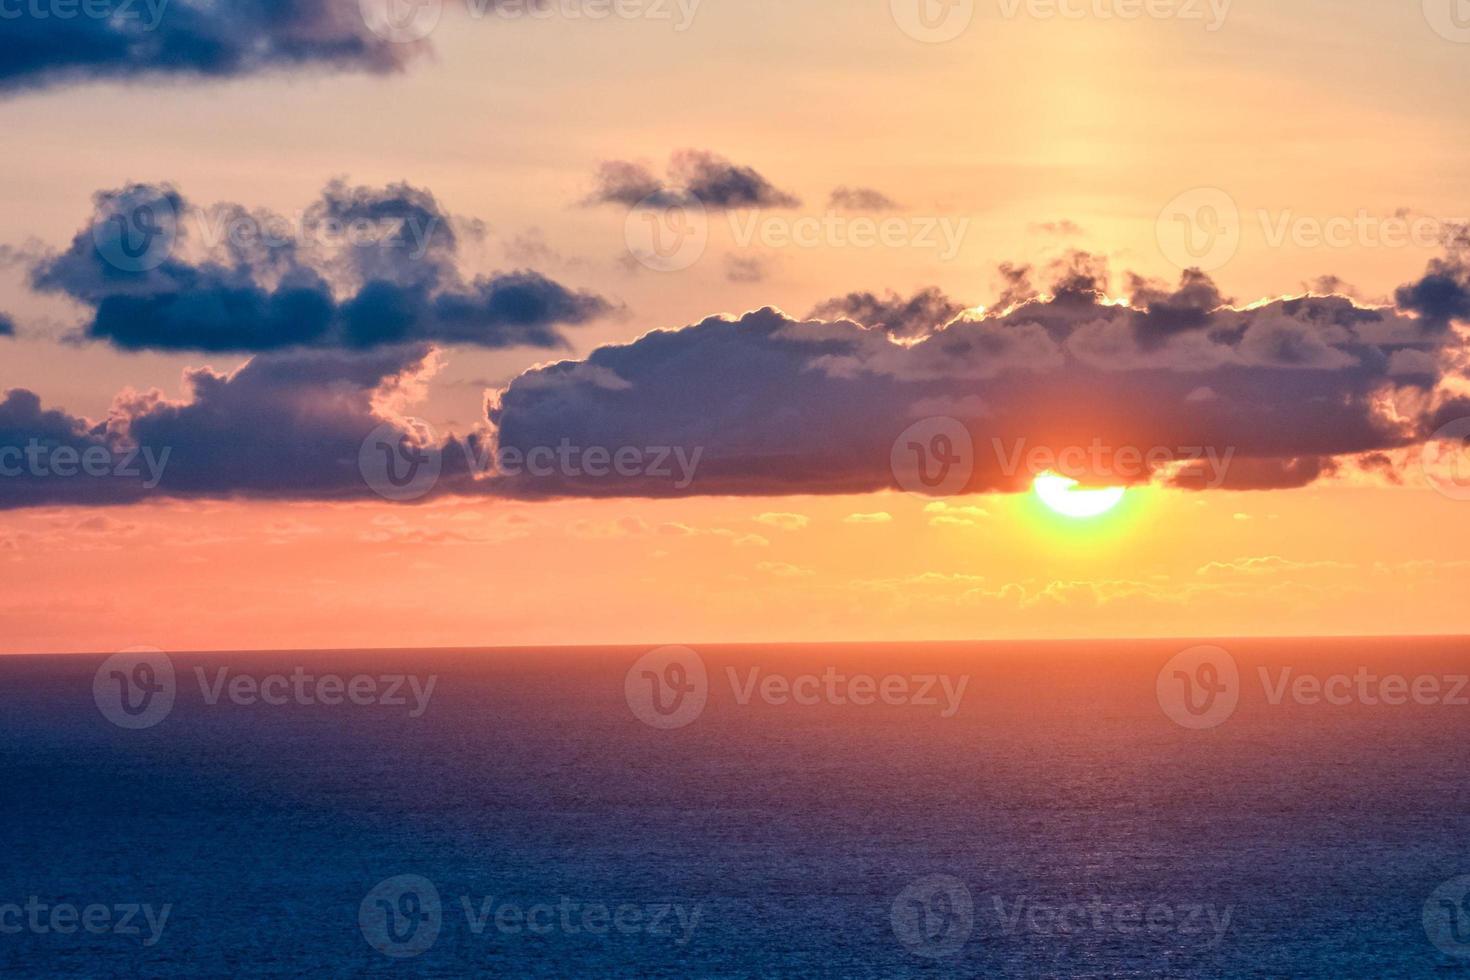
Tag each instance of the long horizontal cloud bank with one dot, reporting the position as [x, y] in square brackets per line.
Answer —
[780, 406]
[281, 427]
[770, 405]
[360, 268]
[45, 45]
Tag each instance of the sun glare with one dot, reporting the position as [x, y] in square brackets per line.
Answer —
[1060, 493]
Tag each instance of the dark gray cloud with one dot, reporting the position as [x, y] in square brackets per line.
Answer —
[36, 442]
[915, 316]
[284, 426]
[1292, 390]
[132, 39]
[693, 176]
[782, 406]
[7, 326]
[745, 268]
[860, 199]
[362, 267]
[1442, 295]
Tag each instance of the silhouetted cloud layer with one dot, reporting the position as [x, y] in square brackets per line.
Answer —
[783, 406]
[923, 313]
[130, 39]
[362, 267]
[1293, 390]
[695, 176]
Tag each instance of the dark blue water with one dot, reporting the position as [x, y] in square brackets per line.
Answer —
[1059, 824]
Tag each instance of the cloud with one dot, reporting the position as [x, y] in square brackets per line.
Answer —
[786, 522]
[188, 38]
[860, 199]
[765, 405]
[1064, 228]
[694, 176]
[7, 326]
[746, 269]
[361, 267]
[1441, 295]
[919, 315]
[281, 427]
[779, 406]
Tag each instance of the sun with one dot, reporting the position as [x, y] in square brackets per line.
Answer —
[1060, 493]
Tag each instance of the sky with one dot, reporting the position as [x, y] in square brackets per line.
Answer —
[729, 321]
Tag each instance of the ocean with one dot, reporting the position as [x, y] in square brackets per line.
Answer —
[1226, 808]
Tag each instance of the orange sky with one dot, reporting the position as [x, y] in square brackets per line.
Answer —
[1309, 110]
